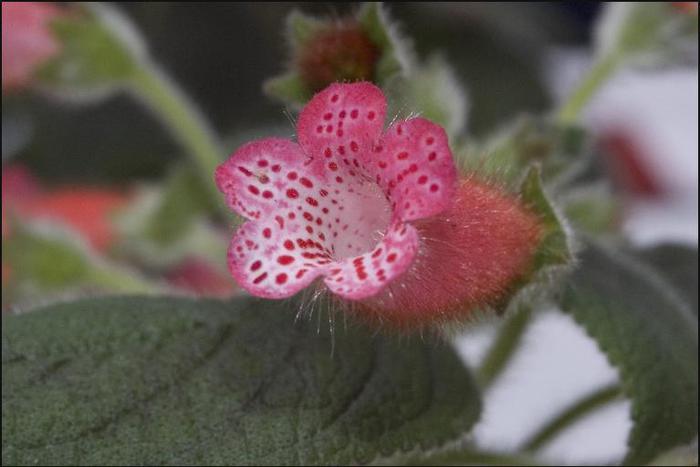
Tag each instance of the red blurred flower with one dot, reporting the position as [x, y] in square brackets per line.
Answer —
[201, 277]
[27, 40]
[87, 210]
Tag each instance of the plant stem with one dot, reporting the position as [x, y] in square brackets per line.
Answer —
[117, 279]
[506, 343]
[571, 415]
[601, 71]
[187, 125]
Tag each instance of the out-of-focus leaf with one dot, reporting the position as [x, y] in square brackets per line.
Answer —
[563, 152]
[434, 93]
[395, 59]
[679, 265]
[165, 225]
[100, 50]
[176, 381]
[647, 33]
[651, 335]
[46, 258]
[592, 208]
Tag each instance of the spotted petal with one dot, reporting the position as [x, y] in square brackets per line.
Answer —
[341, 122]
[413, 165]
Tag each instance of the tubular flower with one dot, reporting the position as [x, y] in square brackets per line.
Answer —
[379, 216]
[27, 41]
[338, 204]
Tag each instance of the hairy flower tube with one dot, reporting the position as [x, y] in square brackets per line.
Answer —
[27, 40]
[379, 216]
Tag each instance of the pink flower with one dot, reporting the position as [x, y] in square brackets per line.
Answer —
[27, 41]
[340, 203]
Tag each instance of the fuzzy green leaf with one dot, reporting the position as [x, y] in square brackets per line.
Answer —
[178, 381]
[555, 247]
[651, 335]
[394, 60]
[679, 265]
[288, 88]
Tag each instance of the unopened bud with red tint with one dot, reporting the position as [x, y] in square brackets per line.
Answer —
[340, 51]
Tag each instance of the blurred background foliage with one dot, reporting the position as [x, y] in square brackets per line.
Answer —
[221, 53]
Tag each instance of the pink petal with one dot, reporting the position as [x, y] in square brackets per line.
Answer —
[257, 176]
[274, 262]
[307, 219]
[27, 40]
[413, 165]
[364, 275]
[342, 122]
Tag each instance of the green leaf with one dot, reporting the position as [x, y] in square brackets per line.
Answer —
[563, 152]
[647, 33]
[434, 92]
[592, 208]
[164, 225]
[301, 27]
[651, 335]
[48, 258]
[395, 59]
[99, 51]
[555, 246]
[288, 88]
[679, 265]
[178, 381]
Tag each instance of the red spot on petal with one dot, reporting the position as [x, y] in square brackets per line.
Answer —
[245, 171]
[267, 194]
[434, 188]
[262, 163]
[402, 155]
[288, 244]
[292, 175]
[281, 278]
[432, 156]
[267, 233]
[285, 259]
[306, 182]
[391, 258]
[312, 201]
[260, 278]
[253, 189]
[256, 265]
[292, 193]
[422, 179]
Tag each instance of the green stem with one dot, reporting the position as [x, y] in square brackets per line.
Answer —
[602, 70]
[571, 415]
[187, 125]
[117, 279]
[504, 347]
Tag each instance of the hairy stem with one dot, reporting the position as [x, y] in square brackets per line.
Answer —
[571, 415]
[504, 347]
[598, 75]
[187, 125]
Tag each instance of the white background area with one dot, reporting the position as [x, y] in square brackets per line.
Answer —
[558, 363]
